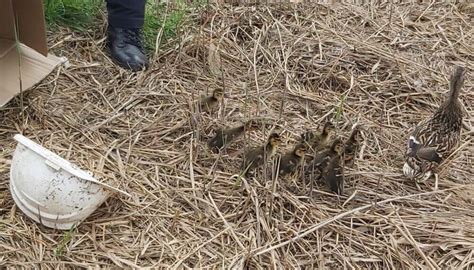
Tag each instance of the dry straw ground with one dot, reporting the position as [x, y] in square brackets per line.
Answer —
[384, 66]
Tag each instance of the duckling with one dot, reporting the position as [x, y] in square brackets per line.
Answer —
[291, 160]
[326, 134]
[435, 138]
[321, 161]
[352, 145]
[210, 103]
[225, 137]
[322, 140]
[333, 172]
[256, 157]
[307, 136]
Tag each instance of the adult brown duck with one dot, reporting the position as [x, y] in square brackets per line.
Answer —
[435, 138]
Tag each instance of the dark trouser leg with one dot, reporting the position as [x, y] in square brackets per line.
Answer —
[126, 13]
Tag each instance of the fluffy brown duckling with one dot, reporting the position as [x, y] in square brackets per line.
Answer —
[210, 103]
[317, 166]
[307, 137]
[333, 172]
[292, 160]
[225, 137]
[319, 141]
[435, 138]
[352, 145]
[256, 157]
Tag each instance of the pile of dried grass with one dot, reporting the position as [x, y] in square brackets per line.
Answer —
[385, 67]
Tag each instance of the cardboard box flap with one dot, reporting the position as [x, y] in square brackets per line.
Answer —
[31, 24]
[29, 17]
[7, 20]
[30, 66]
[24, 62]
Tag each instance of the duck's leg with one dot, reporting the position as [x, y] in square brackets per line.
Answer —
[425, 177]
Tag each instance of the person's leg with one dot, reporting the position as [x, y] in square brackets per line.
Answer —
[126, 13]
[125, 18]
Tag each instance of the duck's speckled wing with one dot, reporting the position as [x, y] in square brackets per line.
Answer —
[217, 141]
[427, 146]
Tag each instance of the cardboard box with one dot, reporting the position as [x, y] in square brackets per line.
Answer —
[24, 58]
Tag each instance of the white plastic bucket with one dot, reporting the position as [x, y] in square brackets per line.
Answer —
[51, 190]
